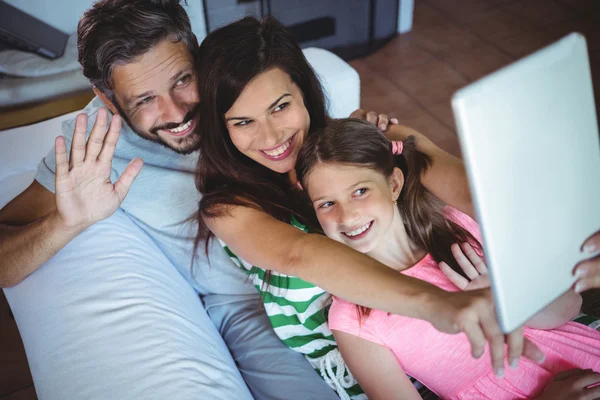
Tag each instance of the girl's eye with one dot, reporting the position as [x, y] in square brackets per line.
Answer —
[281, 106]
[243, 123]
[360, 192]
[327, 204]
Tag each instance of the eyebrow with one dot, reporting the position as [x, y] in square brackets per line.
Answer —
[175, 78]
[268, 108]
[348, 188]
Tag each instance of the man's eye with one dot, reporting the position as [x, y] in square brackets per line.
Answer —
[243, 123]
[360, 192]
[281, 106]
[145, 100]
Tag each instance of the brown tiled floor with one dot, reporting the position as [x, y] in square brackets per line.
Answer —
[453, 42]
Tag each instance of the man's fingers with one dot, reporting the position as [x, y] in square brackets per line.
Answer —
[96, 139]
[382, 122]
[127, 177]
[515, 342]
[78, 143]
[62, 161]
[588, 379]
[460, 281]
[464, 262]
[111, 139]
[474, 258]
[570, 373]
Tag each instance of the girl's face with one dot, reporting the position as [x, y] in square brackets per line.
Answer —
[268, 121]
[354, 205]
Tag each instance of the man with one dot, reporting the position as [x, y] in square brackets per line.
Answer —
[139, 55]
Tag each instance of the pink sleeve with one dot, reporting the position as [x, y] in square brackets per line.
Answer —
[343, 316]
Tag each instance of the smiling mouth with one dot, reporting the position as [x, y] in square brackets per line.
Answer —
[182, 129]
[360, 232]
[280, 152]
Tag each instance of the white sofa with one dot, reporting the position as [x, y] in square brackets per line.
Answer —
[70, 313]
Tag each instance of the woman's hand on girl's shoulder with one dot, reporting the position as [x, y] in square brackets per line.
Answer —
[472, 265]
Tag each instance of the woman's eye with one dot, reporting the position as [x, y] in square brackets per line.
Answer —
[360, 192]
[243, 123]
[183, 80]
[281, 106]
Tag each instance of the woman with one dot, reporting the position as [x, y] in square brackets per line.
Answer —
[260, 100]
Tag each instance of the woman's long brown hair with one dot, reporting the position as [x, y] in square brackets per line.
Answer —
[359, 143]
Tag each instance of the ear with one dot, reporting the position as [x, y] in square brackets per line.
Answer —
[396, 182]
[109, 104]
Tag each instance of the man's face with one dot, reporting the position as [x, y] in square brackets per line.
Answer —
[157, 95]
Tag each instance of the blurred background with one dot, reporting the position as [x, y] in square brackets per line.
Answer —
[411, 57]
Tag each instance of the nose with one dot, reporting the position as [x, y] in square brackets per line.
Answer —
[272, 137]
[173, 110]
[348, 215]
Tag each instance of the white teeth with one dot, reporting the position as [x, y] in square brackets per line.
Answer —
[358, 231]
[279, 150]
[181, 128]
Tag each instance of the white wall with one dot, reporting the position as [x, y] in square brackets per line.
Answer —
[64, 14]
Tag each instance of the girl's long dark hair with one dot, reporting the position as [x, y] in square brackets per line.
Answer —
[230, 58]
[359, 143]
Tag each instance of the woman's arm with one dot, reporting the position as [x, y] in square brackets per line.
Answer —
[447, 177]
[271, 244]
[262, 240]
[375, 368]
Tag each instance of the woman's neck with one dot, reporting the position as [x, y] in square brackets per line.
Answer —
[292, 176]
[395, 249]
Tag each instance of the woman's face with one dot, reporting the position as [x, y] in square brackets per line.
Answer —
[354, 205]
[268, 122]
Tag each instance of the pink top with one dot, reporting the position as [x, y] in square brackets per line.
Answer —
[444, 363]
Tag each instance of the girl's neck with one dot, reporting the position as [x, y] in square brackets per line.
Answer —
[395, 248]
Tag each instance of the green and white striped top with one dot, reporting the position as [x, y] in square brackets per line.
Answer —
[298, 312]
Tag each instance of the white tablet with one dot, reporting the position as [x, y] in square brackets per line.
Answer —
[529, 138]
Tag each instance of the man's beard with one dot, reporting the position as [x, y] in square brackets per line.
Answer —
[186, 145]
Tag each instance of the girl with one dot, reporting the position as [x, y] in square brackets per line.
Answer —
[367, 194]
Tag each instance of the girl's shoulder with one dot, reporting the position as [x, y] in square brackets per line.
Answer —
[463, 220]
[343, 316]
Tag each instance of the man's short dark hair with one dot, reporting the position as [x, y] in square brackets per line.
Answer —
[115, 32]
